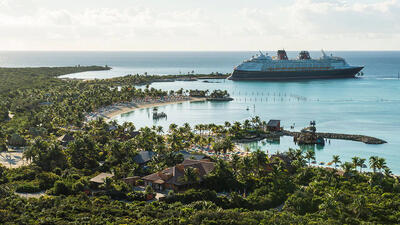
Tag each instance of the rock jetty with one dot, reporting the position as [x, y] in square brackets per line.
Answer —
[351, 137]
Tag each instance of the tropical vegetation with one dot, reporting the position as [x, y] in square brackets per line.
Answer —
[257, 188]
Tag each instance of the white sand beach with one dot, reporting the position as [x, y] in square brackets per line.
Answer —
[109, 112]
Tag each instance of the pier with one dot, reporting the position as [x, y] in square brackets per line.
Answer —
[350, 137]
[277, 134]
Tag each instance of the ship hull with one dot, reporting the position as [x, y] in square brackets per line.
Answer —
[295, 75]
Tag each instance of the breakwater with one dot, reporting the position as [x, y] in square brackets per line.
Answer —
[351, 137]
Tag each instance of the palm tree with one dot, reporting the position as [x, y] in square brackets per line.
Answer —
[172, 127]
[260, 159]
[373, 163]
[209, 140]
[228, 145]
[330, 204]
[246, 166]
[160, 130]
[387, 171]
[381, 164]
[356, 161]
[235, 163]
[187, 126]
[336, 160]
[291, 153]
[217, 147]
[347, 167]
[359, 206]
[361, 164]
[310, 155]
[246, 124]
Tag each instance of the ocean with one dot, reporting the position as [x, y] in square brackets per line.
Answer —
[369, 105]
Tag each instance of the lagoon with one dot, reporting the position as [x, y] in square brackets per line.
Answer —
[367, 106]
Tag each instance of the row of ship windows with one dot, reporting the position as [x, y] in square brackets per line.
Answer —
[298, 68]
[302, 65]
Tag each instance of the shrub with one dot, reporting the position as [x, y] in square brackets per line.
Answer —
[28, 188]
[57, 171]
[16, 140]
[149, 190]
[47, 179]
[136, 196]
[192, 195]
[75, 176]
[78, 187]
[23, 174]
[61, 188]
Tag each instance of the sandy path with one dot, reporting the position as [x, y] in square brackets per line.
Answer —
[12, 159]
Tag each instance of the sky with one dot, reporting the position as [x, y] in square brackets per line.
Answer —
[183, 25]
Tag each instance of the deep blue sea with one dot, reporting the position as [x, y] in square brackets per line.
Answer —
[369, 105]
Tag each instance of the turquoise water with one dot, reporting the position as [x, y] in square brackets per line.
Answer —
[368, 106]
[378, 63]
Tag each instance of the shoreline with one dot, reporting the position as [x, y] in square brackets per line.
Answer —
[119, 109]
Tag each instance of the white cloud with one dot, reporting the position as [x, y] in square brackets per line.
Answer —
[338, 24]
[310, 23]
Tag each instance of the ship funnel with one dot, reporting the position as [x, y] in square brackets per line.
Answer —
[282, 55]
[304, 55]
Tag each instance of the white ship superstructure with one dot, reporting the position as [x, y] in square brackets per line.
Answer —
[263, 66]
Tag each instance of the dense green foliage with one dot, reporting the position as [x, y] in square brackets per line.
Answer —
[253, 189]
[37, 77]
[305, 195]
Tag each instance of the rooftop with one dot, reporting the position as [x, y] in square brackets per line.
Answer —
[144, 157]
[172, 175]
[101, 177]
[273, 123]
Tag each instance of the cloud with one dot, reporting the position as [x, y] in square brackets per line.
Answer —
[311, 23]
[336, 23]
[104, 24]
[340, 17]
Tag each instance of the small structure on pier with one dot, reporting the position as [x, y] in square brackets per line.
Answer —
[309, 135]
[274, 125]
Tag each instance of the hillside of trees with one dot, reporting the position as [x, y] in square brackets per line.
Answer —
[256, 188]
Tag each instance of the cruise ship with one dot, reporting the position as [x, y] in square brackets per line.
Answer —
[264, 67]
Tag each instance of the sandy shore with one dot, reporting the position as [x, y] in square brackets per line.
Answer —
[118, 110]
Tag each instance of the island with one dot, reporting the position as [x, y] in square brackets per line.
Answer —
[58, 166]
